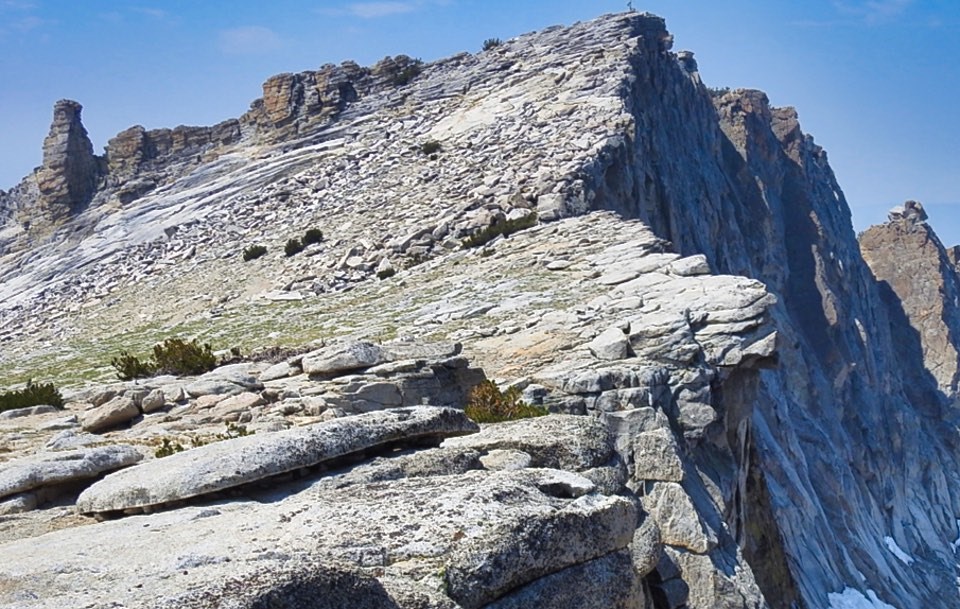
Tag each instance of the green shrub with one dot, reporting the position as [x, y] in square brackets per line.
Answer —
[491, 43]
[505, 228]
[173, 356]
[32, 395]
[253, 252]
[292, 247]
[313, 235]
[386, 273]
[176, 356]
[487, 404]
[167, 448]
[130, 367]
[408, 73]
[430, 147]
[170, 447]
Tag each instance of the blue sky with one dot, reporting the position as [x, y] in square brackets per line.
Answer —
[875, 81]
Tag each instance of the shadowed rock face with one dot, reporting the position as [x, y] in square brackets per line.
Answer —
[70, 171]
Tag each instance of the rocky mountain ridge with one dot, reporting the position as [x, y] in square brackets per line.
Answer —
[780, 410]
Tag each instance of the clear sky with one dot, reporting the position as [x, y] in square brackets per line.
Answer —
[875, 81]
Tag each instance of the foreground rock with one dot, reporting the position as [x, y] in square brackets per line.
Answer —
[422, 528]
[234, 462]
[48, 471]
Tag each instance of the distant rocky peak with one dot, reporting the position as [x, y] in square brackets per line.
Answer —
[68, 177]
[911, 211]
[919, 279]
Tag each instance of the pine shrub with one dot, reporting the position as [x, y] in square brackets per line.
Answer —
[505, 228]
[176, 356]
[253, 252]
[487, 404]
[430, 147]
[293, 247]
[32, 395]
[491, 43]
[313, 235]
[172, 356]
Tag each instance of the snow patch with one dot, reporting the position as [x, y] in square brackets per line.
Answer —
[854, 599]
[898, 551]
[956, 543]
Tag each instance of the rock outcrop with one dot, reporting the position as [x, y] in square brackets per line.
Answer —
[68, 177]
[921, 290]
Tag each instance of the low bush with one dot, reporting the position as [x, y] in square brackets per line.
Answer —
[253, 252]
[386, 273]
[171, 447]
[313, 235]
[487, 404]
[293, 247]
[508, 227]
[408, 73]
[31, 395]
[177, 356]
[430, 147]
[491, 43]
[172, 356]
[131, 367]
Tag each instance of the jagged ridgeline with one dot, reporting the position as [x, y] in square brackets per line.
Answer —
[744, 414]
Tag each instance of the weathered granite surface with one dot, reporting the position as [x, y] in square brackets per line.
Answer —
[692, 280]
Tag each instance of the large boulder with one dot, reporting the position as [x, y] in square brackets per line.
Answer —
[53, 468]
[237, 461]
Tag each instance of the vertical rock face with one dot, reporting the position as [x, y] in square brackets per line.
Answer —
[819, 474]
[68, 177]
[295, 103]
[918, 279]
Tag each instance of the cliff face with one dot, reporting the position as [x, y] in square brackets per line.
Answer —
[918, 279]
[799, 404]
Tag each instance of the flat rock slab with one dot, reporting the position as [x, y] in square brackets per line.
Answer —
[230, 463]
[60, 467]
[568, 442]
[29, 411]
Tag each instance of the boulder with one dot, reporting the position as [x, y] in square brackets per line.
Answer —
[608, 582]
[340, 358]
[48, 469]
[115, 412]
[560, 441]
[611, 344]
[237, 461]
[657, 456]
[488, 566]
[153, 401]
[675, 515]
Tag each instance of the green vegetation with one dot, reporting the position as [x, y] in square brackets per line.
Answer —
[487, 404]
[253, 252]
[430, 147]
[386, 273]
[293, 247]
[505, 228]
[32, 395]
[170, 447]
[313, 235]
[491, 43]
[173, 356]
[408, 73]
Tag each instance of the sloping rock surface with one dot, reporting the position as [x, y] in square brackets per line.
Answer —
[237, 461]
